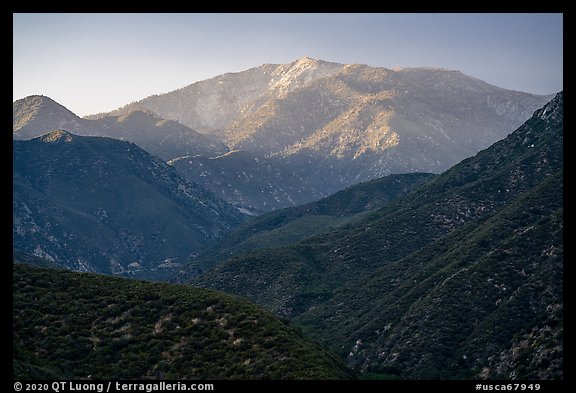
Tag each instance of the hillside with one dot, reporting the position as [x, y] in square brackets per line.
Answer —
[103, 205]
[341, 124]
[69, 325]
[250, 183]
[464, 306]
[292, 225]
[36, 115]
[370, 289]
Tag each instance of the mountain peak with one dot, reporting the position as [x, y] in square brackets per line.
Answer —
[35, 114]
[553, 110]
[37, 99]
[57, 136]
[36, 103]
[300, 73]
[306, 61]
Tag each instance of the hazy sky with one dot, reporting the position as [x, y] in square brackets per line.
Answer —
[97, 62]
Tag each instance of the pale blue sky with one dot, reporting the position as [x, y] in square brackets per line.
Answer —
[97, 62]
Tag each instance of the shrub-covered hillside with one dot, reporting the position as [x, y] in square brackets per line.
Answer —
[77, 325]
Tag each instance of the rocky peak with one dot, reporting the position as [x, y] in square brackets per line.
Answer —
[34, 114]
[300, 73]
[553, 111]
[57, 136]
[306, 62]
[37, 102]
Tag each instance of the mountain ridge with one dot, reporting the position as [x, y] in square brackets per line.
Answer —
[354, 122]
[104, 205]
[35, 115]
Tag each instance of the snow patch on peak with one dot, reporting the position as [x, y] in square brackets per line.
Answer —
[288, 77]
[306, 62]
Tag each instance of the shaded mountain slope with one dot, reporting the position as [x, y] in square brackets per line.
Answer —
[291, 225]
[251, 183]
[103, 205]
[451, 309]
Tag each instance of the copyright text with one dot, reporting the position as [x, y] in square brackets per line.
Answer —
[149, 387]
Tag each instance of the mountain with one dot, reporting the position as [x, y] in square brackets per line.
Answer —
[36, 115]
[103, 205]
[252, 184]
[211, 105]
[463, 306]
[339, 125]
[281, 135]
[68, 325]
[461, 278]
[292, 225]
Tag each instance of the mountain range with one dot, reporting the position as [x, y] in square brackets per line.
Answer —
[304, 130]
[451, 280]
[408, 221]
[250, 183]
[103, 205]
[35, 115]
[341, 124]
